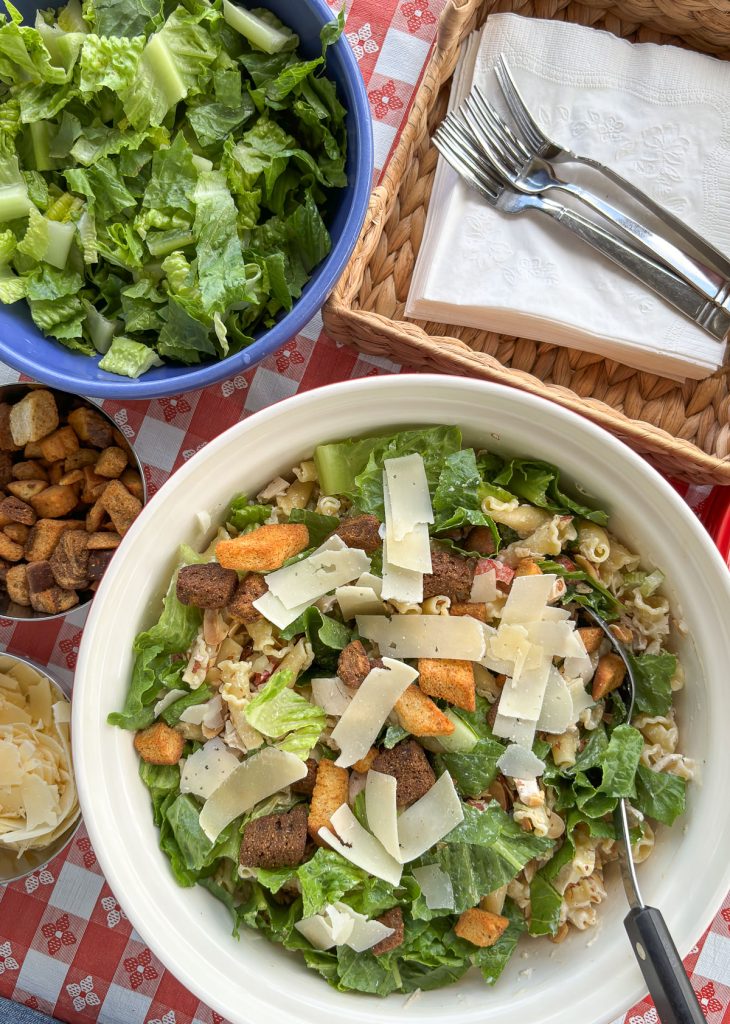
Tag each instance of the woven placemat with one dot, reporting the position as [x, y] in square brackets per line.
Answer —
[683, 428]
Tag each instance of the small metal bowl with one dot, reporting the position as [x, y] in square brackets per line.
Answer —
[13, 867]
[66, 403]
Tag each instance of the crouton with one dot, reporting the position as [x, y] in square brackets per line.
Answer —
[609, 674]
[264, 549]
[451, 575]
[7, 444]
[360, 532]
[71, 479]
[448, 680]
[419, 715]
[16, 583]
[30, 470]
[528, 567]
[331, 790]
[97, 564]
[70, 560]
[34, 417]
[27, 489]
[123, 507]
[95, 517]
[6, 468]
[133, 482]
[32, 450]
[409, 766]
[481, 540]
[159, 744]
[4, 566]
[592, 637]
[112, 462]
[105, 540]
[18, 511]
[80, 458]
[392, 918]
[306, 785]
[91, 427]
[44, 536]
[55, 502]
[480, 927]
[10, 550]
[476, 609]
[54, 601]
[17, 532]
[59, 445]
[275, 840]
[40, 577]
[93, 485]
[55, 472]
[353, 664]
[365, 763]
[206, 586]
[250, 589]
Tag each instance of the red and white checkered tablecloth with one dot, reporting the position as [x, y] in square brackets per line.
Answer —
[66, 947]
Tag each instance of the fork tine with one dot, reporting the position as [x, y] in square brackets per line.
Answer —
[529, 127]
[468, 155]
[454, 156]
[481, 163]
[487, 144]
[499, 125]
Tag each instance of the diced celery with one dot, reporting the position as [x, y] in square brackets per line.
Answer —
[60, 237]
[159, 60]
[101, 331]
[255, 29]
[14, 201]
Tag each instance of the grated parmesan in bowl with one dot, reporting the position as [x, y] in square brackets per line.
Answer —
[39, 809]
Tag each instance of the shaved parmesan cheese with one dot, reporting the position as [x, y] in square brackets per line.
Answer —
[339, 925]
[557, 638]
[410, 500]
[553, 614]
[364, 934]
[369, 580]
[332, 695]
[523, 698]
[517, 730]
[400, 584]
[381, 810]
[484, 587]
[317, 575]
[208, 714]
[413, 552]
[373, 701]
[527, 598]
[357, 600]
[435, 886]
[556, 713]
[167, 700]
[277, 613]
[207, 768]
[253, 780]
[425, 636]
[429, 819]
[359, 847]
[581, 700]
[516, 761]
[582, 667]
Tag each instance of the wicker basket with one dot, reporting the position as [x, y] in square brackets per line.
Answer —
[683, 428]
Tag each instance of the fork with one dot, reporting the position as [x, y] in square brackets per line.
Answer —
[455, 141]
[538, 142]
[532, 175]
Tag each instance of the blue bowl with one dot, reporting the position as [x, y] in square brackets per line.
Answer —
[23, 346]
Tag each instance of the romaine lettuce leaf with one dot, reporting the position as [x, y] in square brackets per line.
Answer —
[659, 795]
[539, 484]
[653, 677]
[285, 716]
[326, 635]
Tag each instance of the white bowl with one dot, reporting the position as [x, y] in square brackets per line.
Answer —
[592, 977]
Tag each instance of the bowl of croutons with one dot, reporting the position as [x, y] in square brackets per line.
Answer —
[70, 488]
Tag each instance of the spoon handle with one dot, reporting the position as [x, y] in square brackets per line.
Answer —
[662, 967]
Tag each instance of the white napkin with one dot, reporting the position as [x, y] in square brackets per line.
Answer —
[656, 114]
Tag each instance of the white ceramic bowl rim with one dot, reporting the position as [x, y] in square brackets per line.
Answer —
[688, 875]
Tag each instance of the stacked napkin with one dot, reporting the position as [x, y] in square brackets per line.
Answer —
[656, 114]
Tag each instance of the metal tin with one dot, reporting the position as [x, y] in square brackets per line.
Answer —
[12, 868]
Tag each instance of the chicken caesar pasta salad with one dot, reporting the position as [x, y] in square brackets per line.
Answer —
[376, 724]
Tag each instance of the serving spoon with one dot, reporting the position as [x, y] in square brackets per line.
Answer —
[656, 954]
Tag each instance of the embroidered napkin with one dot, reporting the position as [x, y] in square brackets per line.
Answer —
[656, 114]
